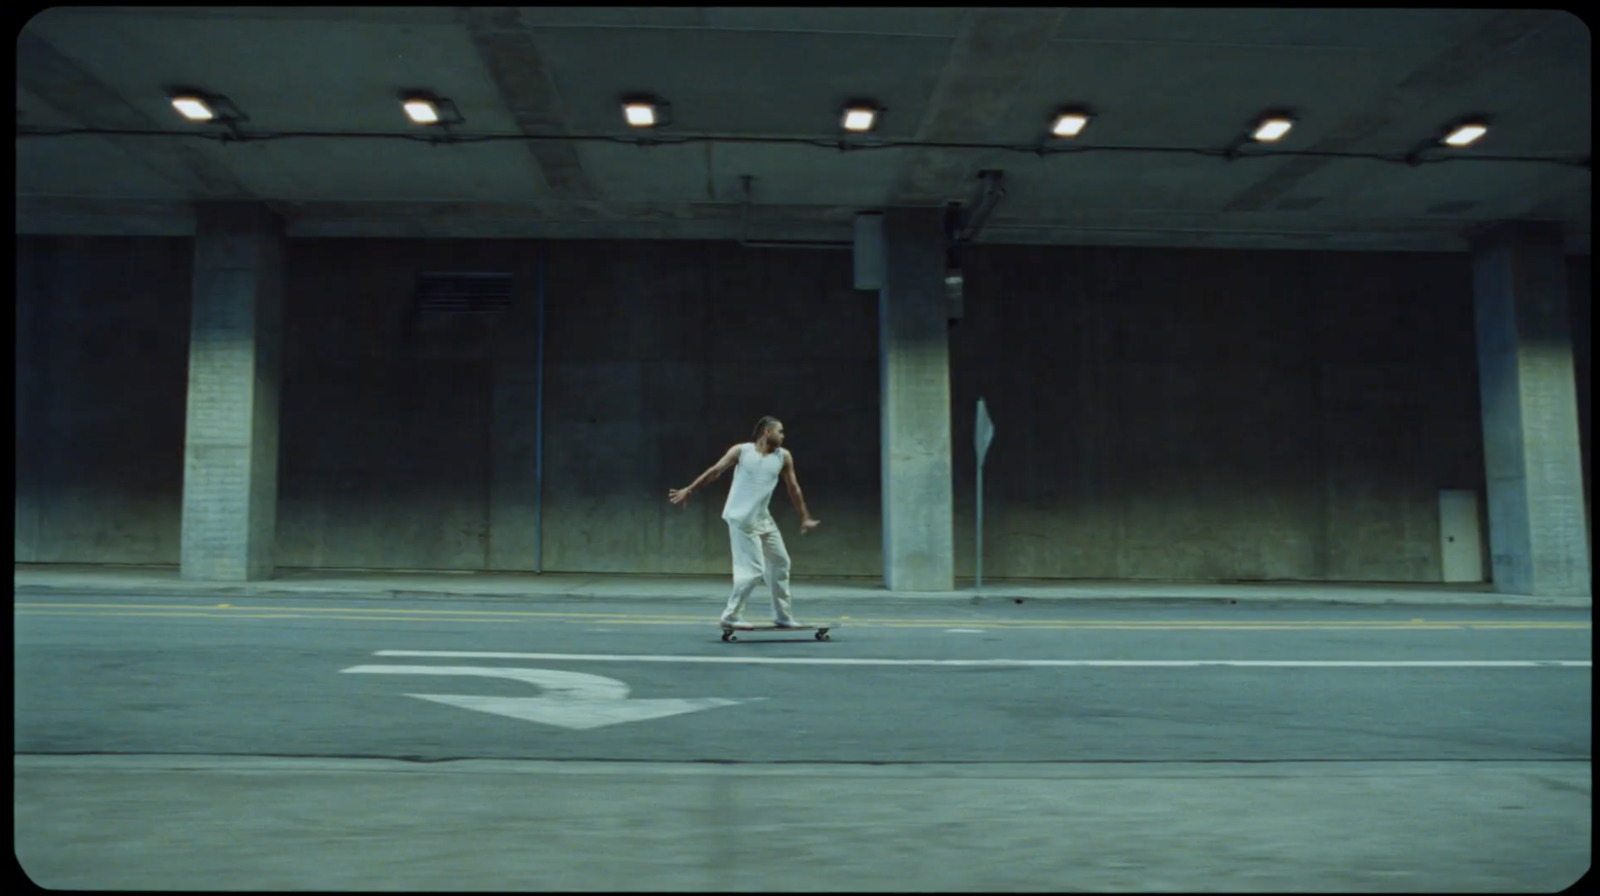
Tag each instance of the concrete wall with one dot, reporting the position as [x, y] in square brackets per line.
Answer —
[660, 356]
[1160, 413]
[102, 368]
[410, 442]
[384, 459]
[1198, 415]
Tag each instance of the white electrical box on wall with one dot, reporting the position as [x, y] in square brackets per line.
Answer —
[869, 255]
[1460, 538]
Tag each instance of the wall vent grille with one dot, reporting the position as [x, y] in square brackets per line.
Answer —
[463, 293]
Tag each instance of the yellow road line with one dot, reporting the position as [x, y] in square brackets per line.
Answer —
[337, 612]
[315, 610]
[152, 613]
[258, 616]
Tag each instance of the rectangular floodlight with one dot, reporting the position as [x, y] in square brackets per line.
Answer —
[422, 111]
[1272, 129]
[193, 108]
[1466, 134]
[859, 118]
[1068, 124]
[639, 115]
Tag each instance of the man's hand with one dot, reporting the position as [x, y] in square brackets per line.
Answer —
[678, 495]
[807, 524]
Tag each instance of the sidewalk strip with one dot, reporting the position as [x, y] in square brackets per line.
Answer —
[420, 615]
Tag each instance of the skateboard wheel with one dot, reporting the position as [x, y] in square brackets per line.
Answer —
[732, 637]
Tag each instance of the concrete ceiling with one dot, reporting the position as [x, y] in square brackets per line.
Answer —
[757, 92]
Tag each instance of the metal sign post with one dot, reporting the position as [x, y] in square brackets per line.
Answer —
[983, 435]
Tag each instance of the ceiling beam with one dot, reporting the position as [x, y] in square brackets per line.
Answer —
[508, 51]
[992, 57]
[1447, 71]
[52, 77]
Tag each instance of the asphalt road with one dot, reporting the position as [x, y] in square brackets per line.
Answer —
[932, 735]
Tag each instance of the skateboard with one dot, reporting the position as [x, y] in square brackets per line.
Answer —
[820, 630]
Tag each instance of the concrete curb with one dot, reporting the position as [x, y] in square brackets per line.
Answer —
[143, 582]
[641, 591]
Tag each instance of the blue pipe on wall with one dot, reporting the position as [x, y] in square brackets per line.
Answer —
[538, 433]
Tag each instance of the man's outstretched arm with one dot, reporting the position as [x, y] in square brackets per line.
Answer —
[680, 495]
[792, 483]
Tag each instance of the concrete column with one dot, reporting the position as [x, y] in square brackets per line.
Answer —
[230, 474]
[1538, 535]
[914, 404]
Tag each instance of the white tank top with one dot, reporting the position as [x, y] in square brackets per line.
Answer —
[754, 478]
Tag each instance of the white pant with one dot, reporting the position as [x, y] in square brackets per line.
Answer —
[758, 553]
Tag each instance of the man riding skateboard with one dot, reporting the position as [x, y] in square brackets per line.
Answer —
[758, 550]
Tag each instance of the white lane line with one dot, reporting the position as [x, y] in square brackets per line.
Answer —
[835, 661]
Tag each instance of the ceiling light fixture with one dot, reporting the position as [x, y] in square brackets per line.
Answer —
[1272, 128]
[206, 108]
[1069, 122]
[422, 111]
[198, 105]
[1269, 127]
[641, 111]
[193, 107]
[640, 115]
[859, 116]
[1463, 133]
[428, 109]
[1466, 133]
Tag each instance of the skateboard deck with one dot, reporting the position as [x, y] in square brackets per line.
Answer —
[729, 632]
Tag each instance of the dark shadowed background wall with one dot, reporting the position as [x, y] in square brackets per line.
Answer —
[1178, 414]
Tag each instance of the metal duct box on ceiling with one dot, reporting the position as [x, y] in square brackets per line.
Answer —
[869, 257]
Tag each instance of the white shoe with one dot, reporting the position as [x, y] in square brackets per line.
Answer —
[789, 623]
[732, 623]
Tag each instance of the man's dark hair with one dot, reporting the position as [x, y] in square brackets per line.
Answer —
[762, 426]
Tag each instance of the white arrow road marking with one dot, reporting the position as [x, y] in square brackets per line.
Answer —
[571, 699]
